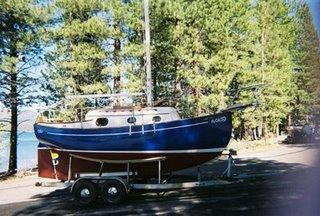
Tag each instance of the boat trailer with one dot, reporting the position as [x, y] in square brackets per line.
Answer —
[114, 187]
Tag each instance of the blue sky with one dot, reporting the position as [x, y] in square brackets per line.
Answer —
[315, 8]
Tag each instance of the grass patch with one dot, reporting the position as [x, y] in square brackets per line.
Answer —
[255, 145]
[19, 175]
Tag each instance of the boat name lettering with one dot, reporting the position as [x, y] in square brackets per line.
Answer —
[217, 120]
[40, 131]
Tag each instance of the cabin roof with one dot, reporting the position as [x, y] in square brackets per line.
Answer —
[130, 110]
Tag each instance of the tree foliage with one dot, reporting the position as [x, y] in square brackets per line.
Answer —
[22, 24]
[272, 36]
[201, 51]
[308, 65]
[77, 59]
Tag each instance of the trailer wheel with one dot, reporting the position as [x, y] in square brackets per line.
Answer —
[85, 192]
[113, 192]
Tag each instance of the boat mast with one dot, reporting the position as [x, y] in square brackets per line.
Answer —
[148, 56]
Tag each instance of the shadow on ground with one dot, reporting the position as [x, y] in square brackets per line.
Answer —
[282, 190]
[314, 145]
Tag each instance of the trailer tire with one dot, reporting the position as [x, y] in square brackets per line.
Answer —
[113, 192]
[85, 192]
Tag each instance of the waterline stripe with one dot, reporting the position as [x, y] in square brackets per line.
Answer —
[126, 133]
[210, 150]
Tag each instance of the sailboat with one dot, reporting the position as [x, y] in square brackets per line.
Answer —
[127, 133]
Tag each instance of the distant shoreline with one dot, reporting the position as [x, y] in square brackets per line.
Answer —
[19, 131]
[26, 151]
[27, 117]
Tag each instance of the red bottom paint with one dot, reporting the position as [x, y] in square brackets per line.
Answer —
[173, 162]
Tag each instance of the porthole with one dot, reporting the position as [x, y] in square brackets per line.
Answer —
[156, 118]
[102, 122]
[131, 120]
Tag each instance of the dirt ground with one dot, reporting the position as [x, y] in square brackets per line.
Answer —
[281, 180]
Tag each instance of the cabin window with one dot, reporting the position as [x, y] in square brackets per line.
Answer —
[156, 118]
[131, 120]
[102, 122]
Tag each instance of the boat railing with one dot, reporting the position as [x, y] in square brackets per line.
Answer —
[60, 115]
[97, 96]
[56, 112]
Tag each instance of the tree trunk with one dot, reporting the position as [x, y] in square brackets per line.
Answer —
[198, 96]
[242, 130]
[12, 169]
[264, 132]
[277, 131]
[177, 92]
[248, 133]
[117, 62]
[264, 127]
[177, 84]
[258, 132]
[154, 84]
[289, 120]
[141, 75]
[116, 78]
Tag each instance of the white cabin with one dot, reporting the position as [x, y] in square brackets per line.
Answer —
[126, 117]
[111, 117]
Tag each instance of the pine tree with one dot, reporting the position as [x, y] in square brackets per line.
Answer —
[116, 11]
[272, 63]
[126, 60]
[166, 31]
[212, 51]
[78, 58]
[22, 25]
[308, 65]
[133, 50]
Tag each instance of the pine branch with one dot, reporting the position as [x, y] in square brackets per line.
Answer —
[19, 134]
[26, 62]
[26, 68]
[26, 120]
[5, 87]
[4, 72]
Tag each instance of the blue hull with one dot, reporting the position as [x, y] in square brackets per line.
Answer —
[202, 134]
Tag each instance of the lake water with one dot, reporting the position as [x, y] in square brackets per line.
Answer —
[27, 151]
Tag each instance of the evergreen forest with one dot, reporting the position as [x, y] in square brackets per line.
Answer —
[202, 51]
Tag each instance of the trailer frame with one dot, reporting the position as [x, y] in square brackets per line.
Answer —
[113, 188]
